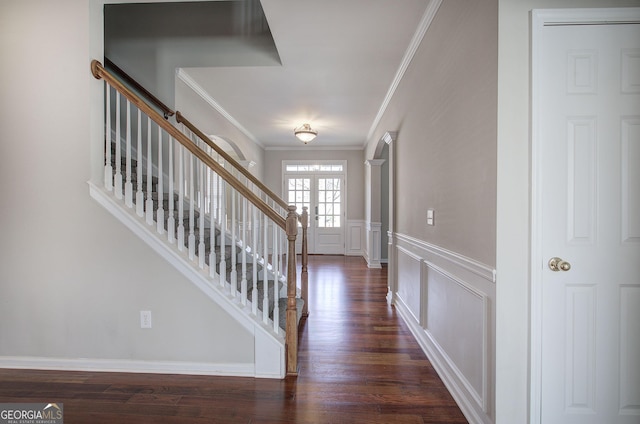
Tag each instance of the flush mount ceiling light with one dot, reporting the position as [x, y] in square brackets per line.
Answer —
[305, 133]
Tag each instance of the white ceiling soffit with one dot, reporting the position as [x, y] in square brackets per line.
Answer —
[341, 63]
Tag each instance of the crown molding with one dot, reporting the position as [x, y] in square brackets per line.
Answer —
[389, 137]
[424, 25]
[374, 162]
[190, 82]
[314, 148]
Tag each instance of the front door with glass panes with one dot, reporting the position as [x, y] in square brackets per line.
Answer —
[320, 186]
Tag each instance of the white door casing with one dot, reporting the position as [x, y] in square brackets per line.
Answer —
[586, 210]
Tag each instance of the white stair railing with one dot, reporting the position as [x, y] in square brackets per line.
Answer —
[232, 214]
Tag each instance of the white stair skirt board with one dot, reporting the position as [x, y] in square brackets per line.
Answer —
[269, 357]
[120, 365]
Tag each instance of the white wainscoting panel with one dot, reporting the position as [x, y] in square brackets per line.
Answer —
[355, 237]
[447, 301]
[463, 335]
[373, 240]
[409, 282]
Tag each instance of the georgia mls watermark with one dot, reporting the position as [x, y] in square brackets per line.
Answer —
[31, 413]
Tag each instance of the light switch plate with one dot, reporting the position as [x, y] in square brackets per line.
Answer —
[430, 217]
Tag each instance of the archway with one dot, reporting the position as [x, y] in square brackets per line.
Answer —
[379, 203]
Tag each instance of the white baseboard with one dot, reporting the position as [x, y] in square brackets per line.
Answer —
[131, 366]
[440, 364]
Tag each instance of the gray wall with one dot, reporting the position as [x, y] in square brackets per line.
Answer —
[444, 111]
[166, 36]
[72, 278]
[211, 122]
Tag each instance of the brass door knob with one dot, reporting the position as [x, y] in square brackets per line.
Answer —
[557, 264]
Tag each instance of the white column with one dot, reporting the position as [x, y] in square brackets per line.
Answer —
[389, 138]
[373, 224]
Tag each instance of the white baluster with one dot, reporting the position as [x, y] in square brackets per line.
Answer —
[223, 233]
[192, 204]
[233, 279]
[212, 237]
[254, 252]
[180, 198]
[160, 212]
[244, 235]
[149, 204]
[265, 272]
[108, 169]
[282, 264]
[221, 206]
[201, 202]
[171, 222]
[139, 193]
[128, 186]
[118, 177]
[276, 280]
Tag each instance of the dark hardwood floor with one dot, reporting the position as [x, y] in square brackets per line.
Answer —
[358, 364]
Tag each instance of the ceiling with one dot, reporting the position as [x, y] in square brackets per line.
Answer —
[328, 63]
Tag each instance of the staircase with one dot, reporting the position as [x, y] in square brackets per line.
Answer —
[223, 229]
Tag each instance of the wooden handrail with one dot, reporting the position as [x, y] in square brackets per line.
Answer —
[99, 72]
[182, 120]
[165, 109]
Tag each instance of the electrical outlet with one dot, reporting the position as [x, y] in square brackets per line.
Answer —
[145, 319]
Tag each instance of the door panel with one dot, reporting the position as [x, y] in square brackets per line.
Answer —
[328, 220]
[589, 165]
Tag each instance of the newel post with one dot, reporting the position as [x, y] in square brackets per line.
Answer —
[292, 315]
[304, 276]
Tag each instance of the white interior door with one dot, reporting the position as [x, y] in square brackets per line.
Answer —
[587, 165]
